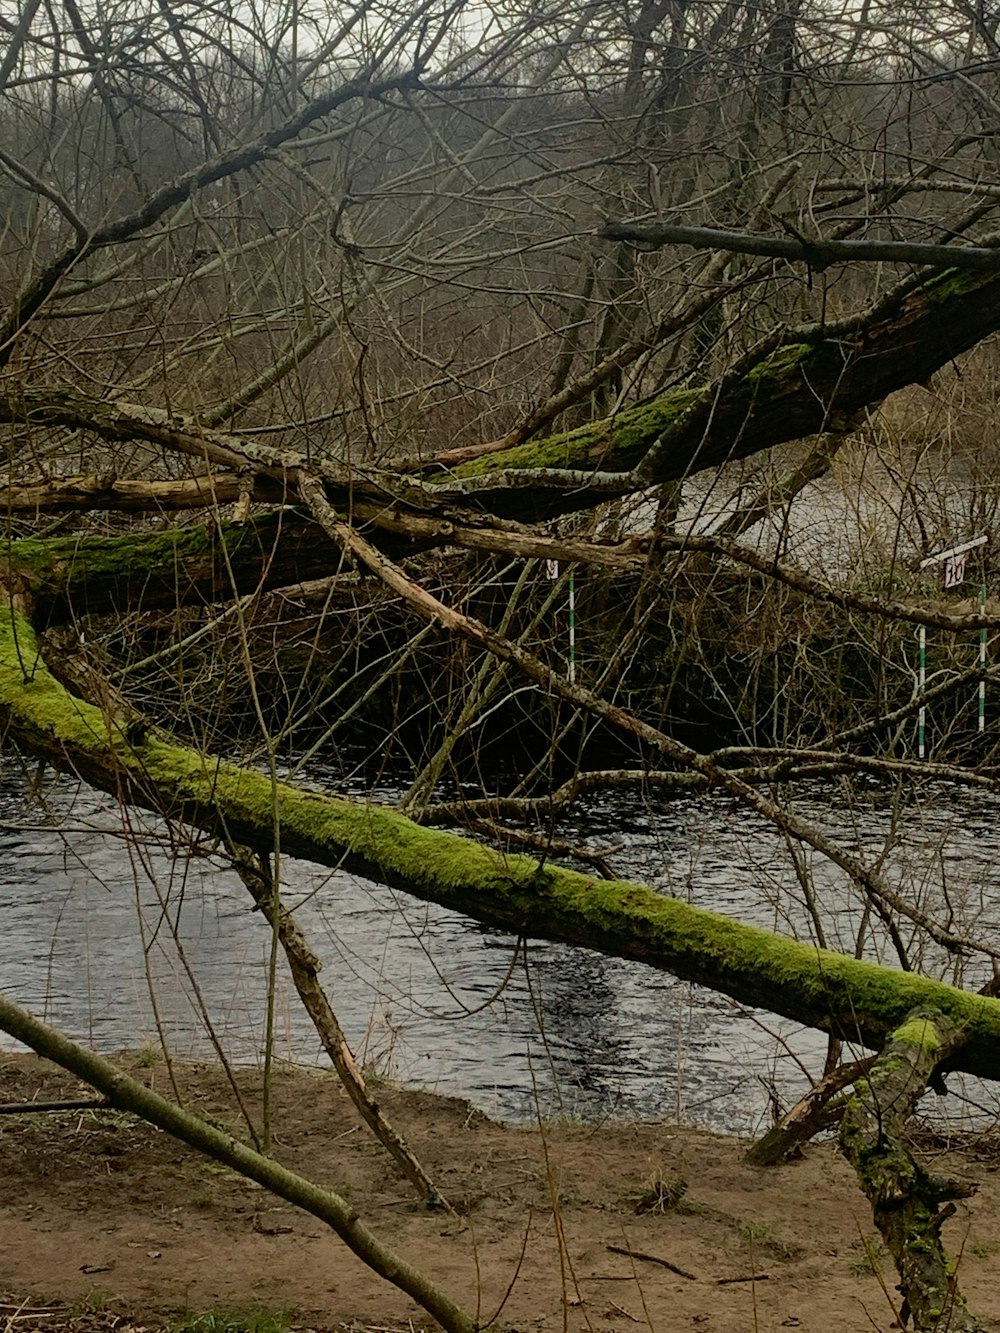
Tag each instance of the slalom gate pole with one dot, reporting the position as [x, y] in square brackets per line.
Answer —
[571, 673]
[982, 660]
[921, 685]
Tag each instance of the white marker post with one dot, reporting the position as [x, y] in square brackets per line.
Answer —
[954, 573]
[982, 660]
[921, 686]
[571, 673]
[552, 572]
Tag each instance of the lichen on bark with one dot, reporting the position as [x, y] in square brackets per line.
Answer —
[906, 1201]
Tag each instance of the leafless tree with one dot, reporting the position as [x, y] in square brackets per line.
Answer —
[323, 327]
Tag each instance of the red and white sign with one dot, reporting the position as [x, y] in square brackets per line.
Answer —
[954, 571]
[953, 561]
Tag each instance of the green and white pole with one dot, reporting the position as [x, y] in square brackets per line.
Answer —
[982, 660]
[921, 685]
[953, 561]
[552, 570]
[571, 673]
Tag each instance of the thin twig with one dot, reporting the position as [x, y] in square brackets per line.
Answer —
[654, 1259]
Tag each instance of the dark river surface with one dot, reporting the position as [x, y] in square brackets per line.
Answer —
[100, 915]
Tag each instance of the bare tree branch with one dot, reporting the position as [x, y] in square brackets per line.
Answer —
[818, 253]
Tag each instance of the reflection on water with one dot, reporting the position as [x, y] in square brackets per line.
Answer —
[109, 933]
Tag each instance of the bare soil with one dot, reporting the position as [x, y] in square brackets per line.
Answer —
[108, 1224]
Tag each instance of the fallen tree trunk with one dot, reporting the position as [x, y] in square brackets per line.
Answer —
[801, 383]
[906, 1201]
[853, 999]
[70, 577]
[811, 380]
[221, 558]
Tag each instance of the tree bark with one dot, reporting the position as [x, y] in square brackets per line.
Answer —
[70, 577]
[906, 1201]
[816, 380]
[820, 1108]
[95, 492]
[811, 380]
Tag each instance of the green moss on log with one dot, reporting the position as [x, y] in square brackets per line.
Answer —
[798, 390]
[43, 706]
[777, 366]
[905, 1200]
[952, 282]
[826, 990]
[918, 1032]
[75, 576]
[615, 444]
[110, 557]
[619, 443]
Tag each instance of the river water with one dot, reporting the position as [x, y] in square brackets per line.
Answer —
[110, 930]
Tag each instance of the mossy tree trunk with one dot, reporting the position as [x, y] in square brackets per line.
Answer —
[811, 380]
[907, 1201]
[850, 998]
[800, 383]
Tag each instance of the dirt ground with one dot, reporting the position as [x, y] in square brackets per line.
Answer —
[106, 1223]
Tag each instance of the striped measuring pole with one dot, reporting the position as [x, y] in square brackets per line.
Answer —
[953, 561]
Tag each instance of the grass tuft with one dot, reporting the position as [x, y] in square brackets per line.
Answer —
[255, 1319]
[661, 1194]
